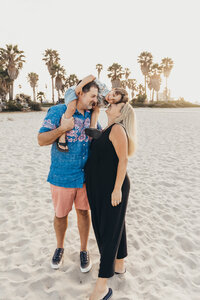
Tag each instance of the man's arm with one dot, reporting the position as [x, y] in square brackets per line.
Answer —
[94, 117]
[49, 137]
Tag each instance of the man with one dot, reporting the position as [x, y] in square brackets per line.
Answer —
[66, 175]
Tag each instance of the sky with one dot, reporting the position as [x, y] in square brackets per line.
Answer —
[89, 32]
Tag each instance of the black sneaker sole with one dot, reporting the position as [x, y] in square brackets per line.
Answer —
[86, 270]
[57, 266]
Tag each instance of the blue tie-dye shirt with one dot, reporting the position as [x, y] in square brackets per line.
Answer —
[67, 168]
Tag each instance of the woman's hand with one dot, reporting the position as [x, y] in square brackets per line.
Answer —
[116, 197]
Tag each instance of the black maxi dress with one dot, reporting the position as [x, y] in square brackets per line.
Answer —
[108, 221]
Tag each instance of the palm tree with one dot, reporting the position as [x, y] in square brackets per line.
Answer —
[60, 76]
[4, 83]
[40, 96]
[116, 73]
[141, 89]
[167, 65]
[155, 79]
[123, 84]
[33, 79]
[132, 85]
[150, 85]
[145, 61]
[99, 68]
[127, 72]
[156, 82]
[51, 57]
[71, 80]
[12, 59]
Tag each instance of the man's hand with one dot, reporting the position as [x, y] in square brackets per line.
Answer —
[66, 124]
[94, 117]
[116, 197]
[96, 109]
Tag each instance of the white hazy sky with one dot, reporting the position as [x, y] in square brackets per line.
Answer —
[87, 32]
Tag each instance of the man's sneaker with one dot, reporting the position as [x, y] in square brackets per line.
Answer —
[57, 258]
[85, 262]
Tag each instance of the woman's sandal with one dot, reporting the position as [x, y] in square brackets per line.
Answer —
[108, 295]
[61, 144]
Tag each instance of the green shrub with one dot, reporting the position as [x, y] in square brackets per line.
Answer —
[47, 104]
[23, 98]
[13, 106]
[164, 104]
[35, 106]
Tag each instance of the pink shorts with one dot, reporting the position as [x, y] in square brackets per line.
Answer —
[63, 199]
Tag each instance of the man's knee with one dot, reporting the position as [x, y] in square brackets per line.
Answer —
[60, 220]
[83, 213]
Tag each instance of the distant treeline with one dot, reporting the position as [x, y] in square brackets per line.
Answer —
[12, 61]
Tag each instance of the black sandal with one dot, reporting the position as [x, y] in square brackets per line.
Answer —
[93, 132]
[120, 273]
[61, 144]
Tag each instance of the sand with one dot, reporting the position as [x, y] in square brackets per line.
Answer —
[163, 223]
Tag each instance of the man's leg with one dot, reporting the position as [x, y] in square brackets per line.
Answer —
[84, 222]
[60, 226]
[63, 201]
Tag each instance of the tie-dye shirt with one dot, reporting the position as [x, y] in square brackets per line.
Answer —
[67, 168]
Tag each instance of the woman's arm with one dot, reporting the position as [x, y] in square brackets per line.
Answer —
[119, 140]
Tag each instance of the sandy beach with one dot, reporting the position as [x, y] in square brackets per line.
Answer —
[163, 223]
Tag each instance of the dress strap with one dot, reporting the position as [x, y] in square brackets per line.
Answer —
[110, 127]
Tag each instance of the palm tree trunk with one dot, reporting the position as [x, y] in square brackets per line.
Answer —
[145, 85]
[153, 96]
[52, 89]
[166, 90]
[11, 91]
[34, 94]
[157, 96]
[98, 74]
[116, 83]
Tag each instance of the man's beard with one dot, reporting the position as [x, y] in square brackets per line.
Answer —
[91, 104]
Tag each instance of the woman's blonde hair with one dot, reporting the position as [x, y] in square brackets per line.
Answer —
[128, 120]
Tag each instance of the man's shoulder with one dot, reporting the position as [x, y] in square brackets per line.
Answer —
[77, 114]
[58, 108]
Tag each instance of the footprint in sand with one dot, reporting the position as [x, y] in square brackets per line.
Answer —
[185, 243]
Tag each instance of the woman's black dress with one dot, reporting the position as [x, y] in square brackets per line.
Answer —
[108, 221]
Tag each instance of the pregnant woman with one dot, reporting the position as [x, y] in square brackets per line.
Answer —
[108, 187]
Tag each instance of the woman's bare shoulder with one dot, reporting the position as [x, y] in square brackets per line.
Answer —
[118, 131]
